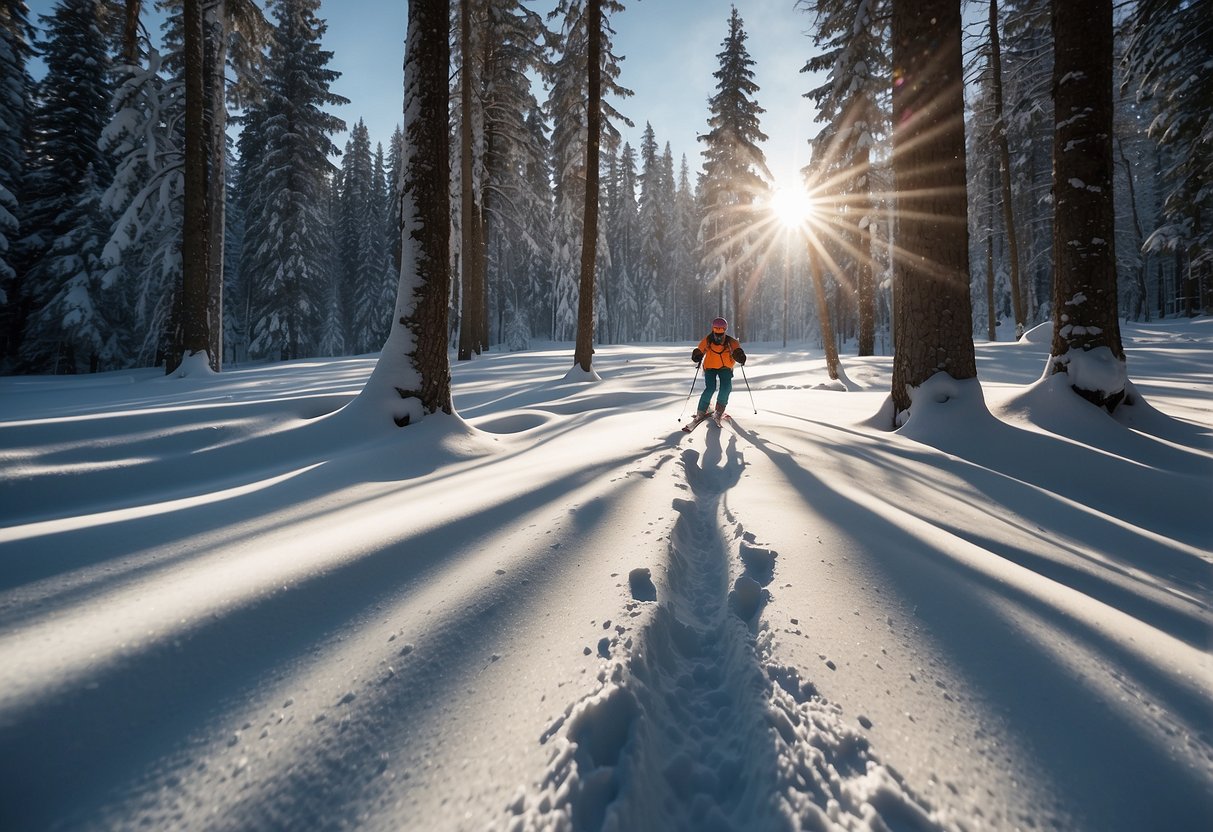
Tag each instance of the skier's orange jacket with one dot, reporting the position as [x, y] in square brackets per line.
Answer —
[717, 356]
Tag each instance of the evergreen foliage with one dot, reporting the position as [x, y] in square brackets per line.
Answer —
[287, 145]
[735, 168]
[66, 166]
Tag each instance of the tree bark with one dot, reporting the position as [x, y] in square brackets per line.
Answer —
[823, 310]
[1085, 314]
[194, 250]
[584, 352]
[861, 163]
[934, 331]
[1004, 164]
[130, 31]
[216, 180]
[472, 257]
[414, 364]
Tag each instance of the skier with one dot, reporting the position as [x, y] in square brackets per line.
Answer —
[718, 352]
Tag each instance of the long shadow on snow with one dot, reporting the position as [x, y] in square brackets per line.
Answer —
[969, 623]
[87, 561]
[148, 709]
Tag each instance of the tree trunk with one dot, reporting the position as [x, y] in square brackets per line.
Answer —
[583, 355]
[1143, 305]
[991, 307]
[414, 371]
[934, 313]
[471, 243]
[194, 250]
[1004, 164]
[216, 179]
[130, 32]
[861, 162]
[823, 310]
[1084, 255]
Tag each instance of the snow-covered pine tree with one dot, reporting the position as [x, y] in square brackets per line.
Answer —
[685, 313]
[412, 378]
[16, 86]
[623, 236]
[143, 254]
[334, 319]
[78, 309]
[358, 228]
[1169, 57]
[1028, 113]
[854, 37]
[381, 288]
[287, 234]
[567, 109]
[934, 327]
[652, 218]
[73, 109]
[513, 49]
[531, 267]
[735, 166]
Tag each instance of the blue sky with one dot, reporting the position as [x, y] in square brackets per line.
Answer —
[669, 47]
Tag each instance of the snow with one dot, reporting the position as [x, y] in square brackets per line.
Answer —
[228, 602]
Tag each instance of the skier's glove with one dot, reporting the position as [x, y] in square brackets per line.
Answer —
[696, 355]
[739, 355]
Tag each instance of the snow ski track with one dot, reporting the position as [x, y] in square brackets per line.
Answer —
[693, 728]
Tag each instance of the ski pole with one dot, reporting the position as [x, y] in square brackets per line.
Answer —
[747, 387]
[689, 392]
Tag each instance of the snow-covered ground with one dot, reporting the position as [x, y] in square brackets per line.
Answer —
[227, 604]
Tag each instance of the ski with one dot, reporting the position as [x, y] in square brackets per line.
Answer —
[719, 418]
[694, 423]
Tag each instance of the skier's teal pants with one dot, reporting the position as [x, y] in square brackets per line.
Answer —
[710, 377]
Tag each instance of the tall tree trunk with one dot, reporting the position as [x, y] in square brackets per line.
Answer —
[413, 375]
[471, 242]
[216, 179]
[861, 164]
[823, 310]
[991, 303]
[130, 31]
[934, 313]
[194, 250]
[1143, 305]
[1004, 163]
[584, 353]
[1084, 254]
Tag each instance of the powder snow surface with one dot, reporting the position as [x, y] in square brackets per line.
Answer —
[226, 602]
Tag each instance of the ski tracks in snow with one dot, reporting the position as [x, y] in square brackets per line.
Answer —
[694, 727]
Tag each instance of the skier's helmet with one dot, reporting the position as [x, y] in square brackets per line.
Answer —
[720, 324]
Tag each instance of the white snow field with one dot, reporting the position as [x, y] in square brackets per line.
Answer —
[226, 603]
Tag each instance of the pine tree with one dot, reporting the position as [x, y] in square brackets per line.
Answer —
[359, 229]
[736, 173]
[16, 35]
[65, 166]
[1168, 56]
[286, 220]
[571, 148]
[854, 35]
[653, 216]
[934, 327]
[143, 254]
[512, 48]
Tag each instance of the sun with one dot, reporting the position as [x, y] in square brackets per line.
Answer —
[792, 207]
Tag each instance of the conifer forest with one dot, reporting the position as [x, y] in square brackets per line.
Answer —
[170, 183]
